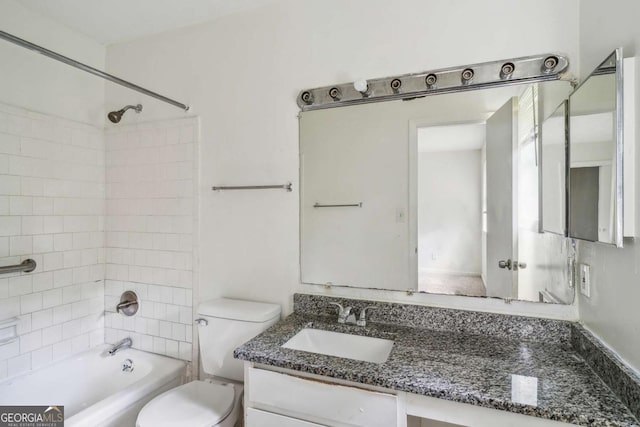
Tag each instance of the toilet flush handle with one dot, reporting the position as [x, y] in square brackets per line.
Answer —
[202, 322]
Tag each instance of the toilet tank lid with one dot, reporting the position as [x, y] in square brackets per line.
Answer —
[233, 309]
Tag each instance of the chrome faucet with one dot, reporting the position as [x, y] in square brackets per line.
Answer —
[362, 319]
[344, 314]
[125, 343]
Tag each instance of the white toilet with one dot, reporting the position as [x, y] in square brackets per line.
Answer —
[224, 324]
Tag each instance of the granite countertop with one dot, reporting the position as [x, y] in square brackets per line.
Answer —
[513, 374]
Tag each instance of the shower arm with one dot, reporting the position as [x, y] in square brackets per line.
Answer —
[79, 65]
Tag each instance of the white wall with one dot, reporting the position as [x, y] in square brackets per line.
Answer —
[612, 311]
[52, 210]
[150, 233]
[450, 212]
[37, 83]
[241, 74]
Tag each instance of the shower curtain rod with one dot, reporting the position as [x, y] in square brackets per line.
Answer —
[53, 55]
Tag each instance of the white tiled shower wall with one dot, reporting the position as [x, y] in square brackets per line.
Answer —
[151, 217]
[52, 207]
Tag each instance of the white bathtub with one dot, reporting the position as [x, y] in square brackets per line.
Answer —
[93, 387]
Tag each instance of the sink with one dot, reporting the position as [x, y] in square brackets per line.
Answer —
[367, 349]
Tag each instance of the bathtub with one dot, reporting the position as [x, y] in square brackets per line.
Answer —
[94, 389]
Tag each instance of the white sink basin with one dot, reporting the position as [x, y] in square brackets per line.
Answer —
[349, 346]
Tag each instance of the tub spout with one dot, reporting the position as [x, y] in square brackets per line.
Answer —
[125, 343]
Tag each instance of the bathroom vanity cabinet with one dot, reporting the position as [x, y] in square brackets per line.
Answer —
[287, 398]
[302, 401]
[449, 366]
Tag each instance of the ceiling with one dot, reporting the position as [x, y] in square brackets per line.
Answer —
[114, 21]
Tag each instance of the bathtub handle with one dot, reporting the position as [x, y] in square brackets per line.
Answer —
[128, 303]
[202, 322]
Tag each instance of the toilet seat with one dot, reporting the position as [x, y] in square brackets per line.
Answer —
[195, 404]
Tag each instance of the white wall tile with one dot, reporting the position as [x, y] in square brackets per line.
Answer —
[52, 335]
[4, 205]
[9, 185]
[20, 285]
[42, 243]
[10, 225]
[42, 357]
[42, 319]
[19, 205]
[30, 303]
[31, 341]
[20, 245]
[61, 313]
[19, 364]
[42, 281]
[9, 350]
[51, 298]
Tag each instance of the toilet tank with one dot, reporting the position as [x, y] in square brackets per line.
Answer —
[230, 323]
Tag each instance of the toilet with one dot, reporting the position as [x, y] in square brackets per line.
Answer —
[223, 325]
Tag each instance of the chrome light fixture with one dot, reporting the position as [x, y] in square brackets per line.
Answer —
[507, 70]
[396, 84]
[335, 93]
[536, 68]
[306, 97]
[431, 81]
[549, 64]
[467, 76]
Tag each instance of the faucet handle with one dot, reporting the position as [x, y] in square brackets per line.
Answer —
[362, 319]
[340, 307]
[343, 312]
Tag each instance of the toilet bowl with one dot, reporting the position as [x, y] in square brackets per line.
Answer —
[223, 325]
[194, 404]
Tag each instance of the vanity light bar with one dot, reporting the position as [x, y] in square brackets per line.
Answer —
[456, 79]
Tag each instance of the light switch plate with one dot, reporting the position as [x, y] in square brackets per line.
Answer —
[585, 280]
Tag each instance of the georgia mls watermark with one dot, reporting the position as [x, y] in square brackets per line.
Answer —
[31, 416]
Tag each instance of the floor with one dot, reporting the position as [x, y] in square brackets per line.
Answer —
[451, 284]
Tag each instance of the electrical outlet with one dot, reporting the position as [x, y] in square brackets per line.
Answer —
[585, 280]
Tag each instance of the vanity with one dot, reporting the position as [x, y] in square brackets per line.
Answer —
[445, 365]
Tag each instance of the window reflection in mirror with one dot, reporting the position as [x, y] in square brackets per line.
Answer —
[595, 189]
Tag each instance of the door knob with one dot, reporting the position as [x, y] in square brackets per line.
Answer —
[505, 264]
[512, 265]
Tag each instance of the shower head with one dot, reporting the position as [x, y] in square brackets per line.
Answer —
[116, 116]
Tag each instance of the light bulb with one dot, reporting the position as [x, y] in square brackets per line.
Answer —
[361, 85]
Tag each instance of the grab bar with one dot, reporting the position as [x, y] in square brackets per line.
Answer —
[349, 205]
[26, 266]
[286, 186]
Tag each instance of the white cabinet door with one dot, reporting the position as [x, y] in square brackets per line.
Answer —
[257, 418]
[319, 401]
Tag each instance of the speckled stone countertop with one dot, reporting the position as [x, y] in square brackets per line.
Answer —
[531, 377]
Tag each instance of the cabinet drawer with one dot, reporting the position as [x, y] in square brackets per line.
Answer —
[257, 418]
[319, 401]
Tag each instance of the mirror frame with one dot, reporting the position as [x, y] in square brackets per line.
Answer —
[619, 144]
[564, 104]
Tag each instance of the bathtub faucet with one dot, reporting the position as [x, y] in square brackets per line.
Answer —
[125, 343]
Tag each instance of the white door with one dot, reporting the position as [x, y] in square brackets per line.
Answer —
[501, 238]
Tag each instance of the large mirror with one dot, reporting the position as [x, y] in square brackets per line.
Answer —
[437, 194]
[595, 174]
